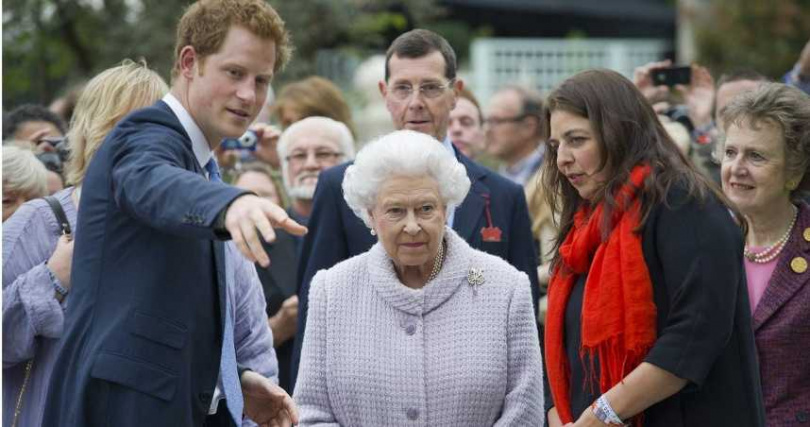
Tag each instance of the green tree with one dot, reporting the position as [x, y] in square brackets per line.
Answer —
[357, 26]
[765, 35]
[52, 44]
[49, 45]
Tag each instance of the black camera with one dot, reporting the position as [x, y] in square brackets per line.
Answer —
[671, 76]
[54, 160]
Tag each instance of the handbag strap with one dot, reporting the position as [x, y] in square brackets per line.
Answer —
[18, 407]
[61, 218]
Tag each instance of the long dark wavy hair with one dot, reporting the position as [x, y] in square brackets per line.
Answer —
[628, 133]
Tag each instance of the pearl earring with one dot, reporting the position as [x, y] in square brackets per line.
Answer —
[373, 233]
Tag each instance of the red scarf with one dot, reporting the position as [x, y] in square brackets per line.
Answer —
[618, 312]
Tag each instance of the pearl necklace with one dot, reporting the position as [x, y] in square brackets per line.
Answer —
[771, 252]
[437, 263]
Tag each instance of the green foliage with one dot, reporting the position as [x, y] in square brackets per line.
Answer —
[764, 35]
[347, 25]
[49, 45]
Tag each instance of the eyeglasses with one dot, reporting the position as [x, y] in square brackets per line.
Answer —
[403, 91]
[320, 156]
[495, 121]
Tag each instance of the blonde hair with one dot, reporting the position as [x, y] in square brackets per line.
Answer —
[106, 99]
[23, 174]
[206, 23]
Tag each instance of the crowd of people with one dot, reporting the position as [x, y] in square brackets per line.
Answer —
[639, 256]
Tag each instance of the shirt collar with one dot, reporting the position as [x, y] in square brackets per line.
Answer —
[521, 171]
[449, 145]
[202, 151]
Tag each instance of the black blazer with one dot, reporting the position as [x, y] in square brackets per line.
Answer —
[693, 252]
[143, 328]
[336, 233]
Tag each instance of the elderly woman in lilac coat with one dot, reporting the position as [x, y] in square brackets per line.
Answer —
[766, 173]
[421, 329]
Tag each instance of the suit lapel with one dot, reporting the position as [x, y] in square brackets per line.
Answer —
[174, 123]
[469, 213]
[785, 282]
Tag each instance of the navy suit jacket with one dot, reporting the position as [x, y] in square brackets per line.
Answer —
[336, 233]
[143, 328]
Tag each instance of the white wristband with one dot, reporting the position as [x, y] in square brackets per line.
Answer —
[605, 413]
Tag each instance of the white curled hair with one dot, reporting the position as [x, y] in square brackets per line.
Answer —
[402, 153]
[23, 173]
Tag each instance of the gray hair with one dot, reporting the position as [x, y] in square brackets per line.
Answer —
[23, 173]
[338, 129]
[789, 109]
[400, 153]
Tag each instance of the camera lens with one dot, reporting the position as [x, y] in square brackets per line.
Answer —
[248, 140]
[52, 161]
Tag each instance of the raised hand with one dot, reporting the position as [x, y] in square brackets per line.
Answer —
[699, 96]
[250, 213]
[266, 146]
[643, 81]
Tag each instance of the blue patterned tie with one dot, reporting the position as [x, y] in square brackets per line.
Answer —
[232, 387]
[213, 170]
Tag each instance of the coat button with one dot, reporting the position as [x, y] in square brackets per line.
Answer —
[798, 265]
[412, 414]
[801, 417]
[410, 329]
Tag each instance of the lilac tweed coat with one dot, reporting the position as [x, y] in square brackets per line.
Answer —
[451, 354]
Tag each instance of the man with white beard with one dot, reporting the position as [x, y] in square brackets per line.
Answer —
[305, 148]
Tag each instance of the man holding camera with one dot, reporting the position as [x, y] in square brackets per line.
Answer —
[46, 133]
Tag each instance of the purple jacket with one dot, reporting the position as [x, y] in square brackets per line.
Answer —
[33, 319]
[782, 331]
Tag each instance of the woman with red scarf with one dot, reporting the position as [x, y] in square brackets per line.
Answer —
[648, 320]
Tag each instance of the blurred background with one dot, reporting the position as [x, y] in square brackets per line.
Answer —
[51, 46]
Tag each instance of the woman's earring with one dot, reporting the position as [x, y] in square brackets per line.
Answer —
[792, 184]
[373, 233]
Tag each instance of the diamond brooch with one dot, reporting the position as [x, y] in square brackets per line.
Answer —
[475, 277]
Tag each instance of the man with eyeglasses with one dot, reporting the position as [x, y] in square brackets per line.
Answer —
[513, 128]
[514, 136]
[420, 89]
